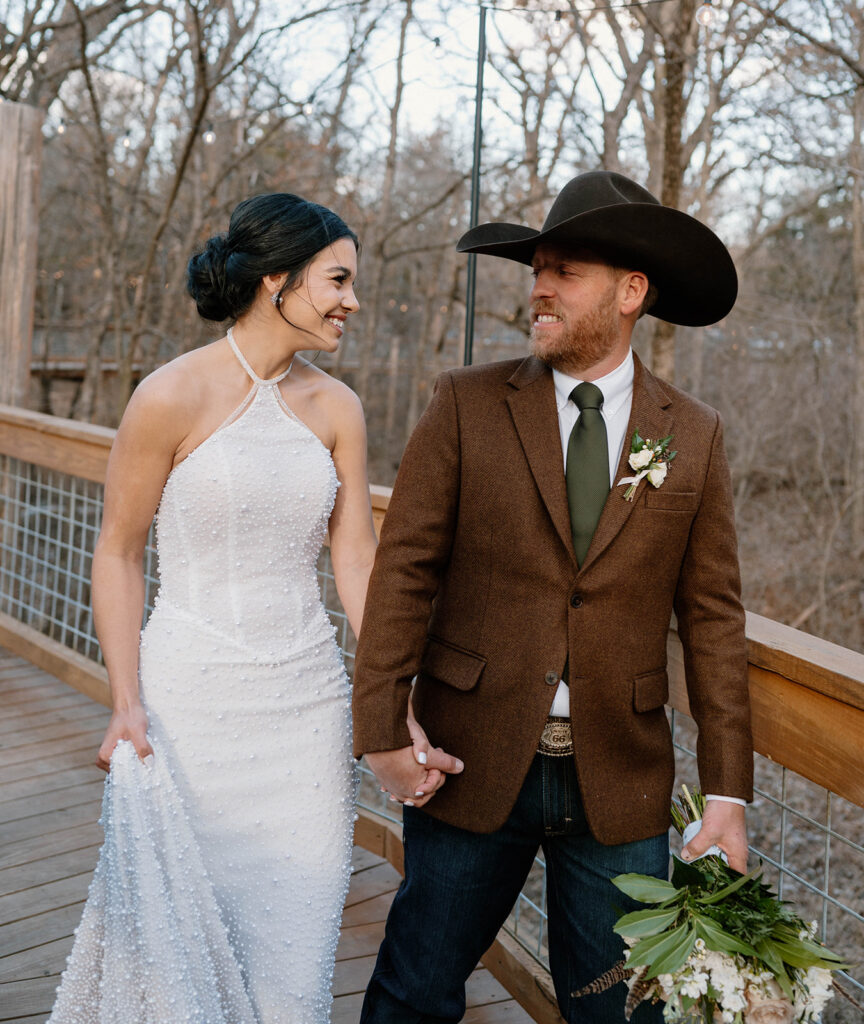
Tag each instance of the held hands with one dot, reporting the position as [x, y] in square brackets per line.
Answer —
[723, 825]
[412, 775]
[127, 724]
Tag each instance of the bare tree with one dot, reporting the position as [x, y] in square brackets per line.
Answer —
[380, 224]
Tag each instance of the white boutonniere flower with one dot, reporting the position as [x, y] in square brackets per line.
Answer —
[657, 474]
[641, 459]
[649, 458]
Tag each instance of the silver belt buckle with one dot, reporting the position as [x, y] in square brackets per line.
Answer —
[556, 739]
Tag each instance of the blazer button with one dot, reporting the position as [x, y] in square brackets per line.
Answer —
[552, 678]
[576, 601]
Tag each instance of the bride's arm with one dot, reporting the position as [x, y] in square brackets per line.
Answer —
[416, 772]
[138, 466]
[352, 533]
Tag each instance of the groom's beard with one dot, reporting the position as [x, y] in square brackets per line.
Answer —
[579, 342]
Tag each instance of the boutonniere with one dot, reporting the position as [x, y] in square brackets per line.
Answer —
[649, 458]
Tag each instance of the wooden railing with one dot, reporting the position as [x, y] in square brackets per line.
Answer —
[807, 694]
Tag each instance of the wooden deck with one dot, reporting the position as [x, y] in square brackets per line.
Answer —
[50, 793]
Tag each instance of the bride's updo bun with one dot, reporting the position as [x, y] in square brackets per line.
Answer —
[276, 233]
[207, 280]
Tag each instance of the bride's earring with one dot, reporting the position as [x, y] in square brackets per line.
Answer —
[276, 299]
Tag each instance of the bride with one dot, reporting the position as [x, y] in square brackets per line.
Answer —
[228, 810]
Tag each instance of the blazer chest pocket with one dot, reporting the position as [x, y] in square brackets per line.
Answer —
[671, 501]
[451, 665]
[650, 690]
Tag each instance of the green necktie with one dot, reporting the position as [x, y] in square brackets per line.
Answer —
[587, 467]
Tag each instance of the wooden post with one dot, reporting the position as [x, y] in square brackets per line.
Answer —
[20, 163]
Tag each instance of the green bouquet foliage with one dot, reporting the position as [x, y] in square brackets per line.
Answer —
[714, 941]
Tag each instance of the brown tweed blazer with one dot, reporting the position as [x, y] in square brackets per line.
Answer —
[476, 591]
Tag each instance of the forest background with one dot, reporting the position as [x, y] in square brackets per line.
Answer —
[160, 117]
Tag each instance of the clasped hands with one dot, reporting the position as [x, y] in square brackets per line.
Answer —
[413, 775]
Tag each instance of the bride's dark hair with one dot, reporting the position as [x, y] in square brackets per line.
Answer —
[275, 233]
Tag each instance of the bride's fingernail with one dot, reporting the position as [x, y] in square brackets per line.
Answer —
[419, 793]
[148, 760]
[409, 803]
[421, 757]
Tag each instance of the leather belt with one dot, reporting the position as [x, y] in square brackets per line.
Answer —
[556, 739]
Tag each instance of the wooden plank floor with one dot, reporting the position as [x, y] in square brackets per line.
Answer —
[50, 793]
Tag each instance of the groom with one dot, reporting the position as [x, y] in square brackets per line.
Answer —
[532, 602]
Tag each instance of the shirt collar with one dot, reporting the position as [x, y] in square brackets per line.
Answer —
[617, 386]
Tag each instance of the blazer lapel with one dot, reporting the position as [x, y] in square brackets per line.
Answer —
[649, 415]
[535, 415]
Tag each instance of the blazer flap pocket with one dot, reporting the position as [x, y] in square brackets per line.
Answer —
[452, 665]
[671, 501]
[650, 690]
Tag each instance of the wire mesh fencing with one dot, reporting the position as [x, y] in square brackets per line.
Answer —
[810, 843]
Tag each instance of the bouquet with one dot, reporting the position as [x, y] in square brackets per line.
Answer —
[720, 947]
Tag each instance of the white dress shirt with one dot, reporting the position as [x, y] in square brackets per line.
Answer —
[617, 388]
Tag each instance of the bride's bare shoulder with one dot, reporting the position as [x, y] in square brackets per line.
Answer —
[172, 397]
[182, 381]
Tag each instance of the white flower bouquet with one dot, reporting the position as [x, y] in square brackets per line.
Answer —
[719, 947]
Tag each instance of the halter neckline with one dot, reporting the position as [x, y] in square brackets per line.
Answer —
[245, 364]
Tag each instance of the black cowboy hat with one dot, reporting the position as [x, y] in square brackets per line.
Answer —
[624, 224]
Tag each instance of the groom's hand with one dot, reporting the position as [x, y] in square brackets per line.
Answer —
[412, 775]
[723, 825]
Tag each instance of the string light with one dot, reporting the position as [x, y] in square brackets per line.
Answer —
[209, 136]
[705, 14]
[61, 128]
[557, 29]
[127, 142]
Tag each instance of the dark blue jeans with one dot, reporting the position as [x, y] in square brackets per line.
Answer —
[460, 886]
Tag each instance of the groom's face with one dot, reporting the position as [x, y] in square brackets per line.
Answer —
[576, 319]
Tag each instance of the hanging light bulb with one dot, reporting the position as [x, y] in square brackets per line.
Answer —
[208, 137]
[705, 14]
[61, 128]
[557, 29]
[127, 142]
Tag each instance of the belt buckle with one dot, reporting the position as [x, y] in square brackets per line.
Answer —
[556, 739]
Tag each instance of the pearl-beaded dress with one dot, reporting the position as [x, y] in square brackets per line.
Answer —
[219, 889]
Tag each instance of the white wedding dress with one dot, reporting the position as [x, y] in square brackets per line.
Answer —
[219, 889]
